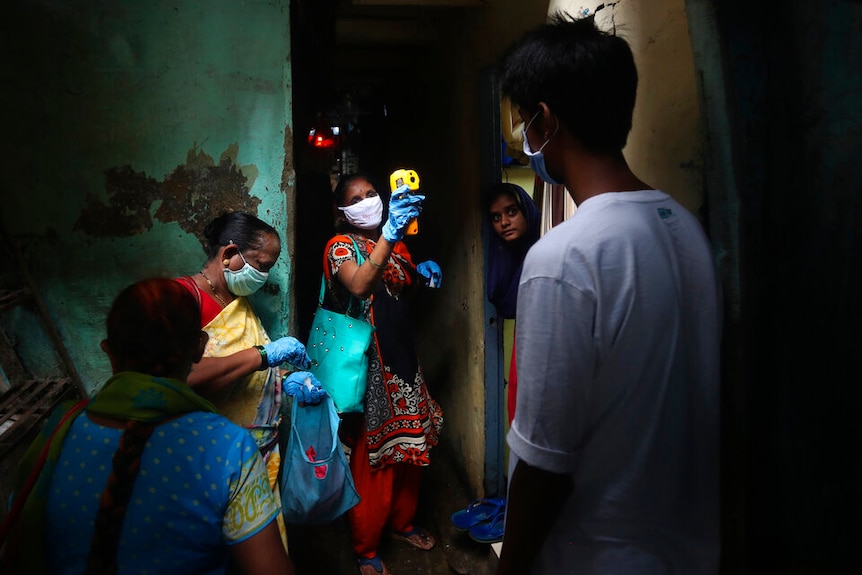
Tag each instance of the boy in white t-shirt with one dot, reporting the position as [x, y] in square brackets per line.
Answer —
[615, 441]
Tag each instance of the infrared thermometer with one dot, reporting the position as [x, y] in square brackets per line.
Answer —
[411, 178]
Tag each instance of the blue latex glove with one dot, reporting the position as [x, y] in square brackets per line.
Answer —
[287, 349]
[431, 271]
[403, 207]
[303, 386]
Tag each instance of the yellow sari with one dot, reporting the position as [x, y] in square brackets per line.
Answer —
[255, 400]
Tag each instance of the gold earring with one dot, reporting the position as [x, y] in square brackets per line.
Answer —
[226, 262]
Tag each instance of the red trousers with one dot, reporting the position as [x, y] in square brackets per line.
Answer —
[513, 386]
[389, 497]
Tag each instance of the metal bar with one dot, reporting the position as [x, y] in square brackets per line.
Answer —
[23, 400]
[11, 364]
[491, 173]
[27, 405]
[13, 298]
[44, 314]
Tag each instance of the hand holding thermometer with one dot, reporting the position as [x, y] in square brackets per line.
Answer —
[411, 178]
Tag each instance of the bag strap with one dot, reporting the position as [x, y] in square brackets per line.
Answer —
[359, 260]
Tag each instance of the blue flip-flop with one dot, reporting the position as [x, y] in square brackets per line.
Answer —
[477, 512]
[426, 538]
[489, 531]
[375, 562]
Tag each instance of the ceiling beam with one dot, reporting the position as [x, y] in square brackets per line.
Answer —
[351, 31]
[440, 3]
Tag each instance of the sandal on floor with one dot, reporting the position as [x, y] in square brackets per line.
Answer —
[477, 512]
[373, 562]
[426, 541]
[490, 531]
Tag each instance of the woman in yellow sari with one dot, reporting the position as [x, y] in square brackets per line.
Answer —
[240, 371]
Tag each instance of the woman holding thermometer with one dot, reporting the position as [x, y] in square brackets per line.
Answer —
[369, 272]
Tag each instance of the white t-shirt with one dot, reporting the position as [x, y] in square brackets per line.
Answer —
[618, 331]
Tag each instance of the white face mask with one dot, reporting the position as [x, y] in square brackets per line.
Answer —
[365, 215]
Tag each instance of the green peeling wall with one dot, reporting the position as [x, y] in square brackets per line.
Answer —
[129, 125]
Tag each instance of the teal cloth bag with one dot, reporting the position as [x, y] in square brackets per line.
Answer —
[338, 348]
[316, 485]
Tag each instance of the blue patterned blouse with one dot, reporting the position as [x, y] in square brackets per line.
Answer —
[202, 486]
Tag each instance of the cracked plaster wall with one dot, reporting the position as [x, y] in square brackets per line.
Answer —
[129, 126]
[665, 145]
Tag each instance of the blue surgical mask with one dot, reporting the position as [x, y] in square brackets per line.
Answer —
[537, 158]
[246, 280]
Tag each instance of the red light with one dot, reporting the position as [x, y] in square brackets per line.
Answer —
[325, 140]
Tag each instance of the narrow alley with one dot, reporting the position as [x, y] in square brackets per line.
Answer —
[326, 550]
[131, 126]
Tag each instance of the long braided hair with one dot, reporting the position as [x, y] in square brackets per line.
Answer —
[126, 462]
[153, 328]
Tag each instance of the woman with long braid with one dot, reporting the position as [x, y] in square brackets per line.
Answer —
[148, 477]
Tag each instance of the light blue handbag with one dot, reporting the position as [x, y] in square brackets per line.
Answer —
[338, 348]
[316, 485]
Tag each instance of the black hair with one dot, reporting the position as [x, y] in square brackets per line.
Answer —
[586, 76]
[240, 228]
[339, 193]
[154, 327]
[113, 503]
[344, 181]
[504, 189]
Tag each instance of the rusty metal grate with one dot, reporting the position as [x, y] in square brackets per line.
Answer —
[24, 406]
[13, 298]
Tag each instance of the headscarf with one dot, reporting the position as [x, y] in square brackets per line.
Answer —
[154, 324]
[505, 259]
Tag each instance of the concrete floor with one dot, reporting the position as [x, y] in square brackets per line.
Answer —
[326, 550]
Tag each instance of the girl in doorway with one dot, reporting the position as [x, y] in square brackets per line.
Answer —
[515, 221]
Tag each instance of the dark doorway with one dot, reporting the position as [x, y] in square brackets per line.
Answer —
[358, 80]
